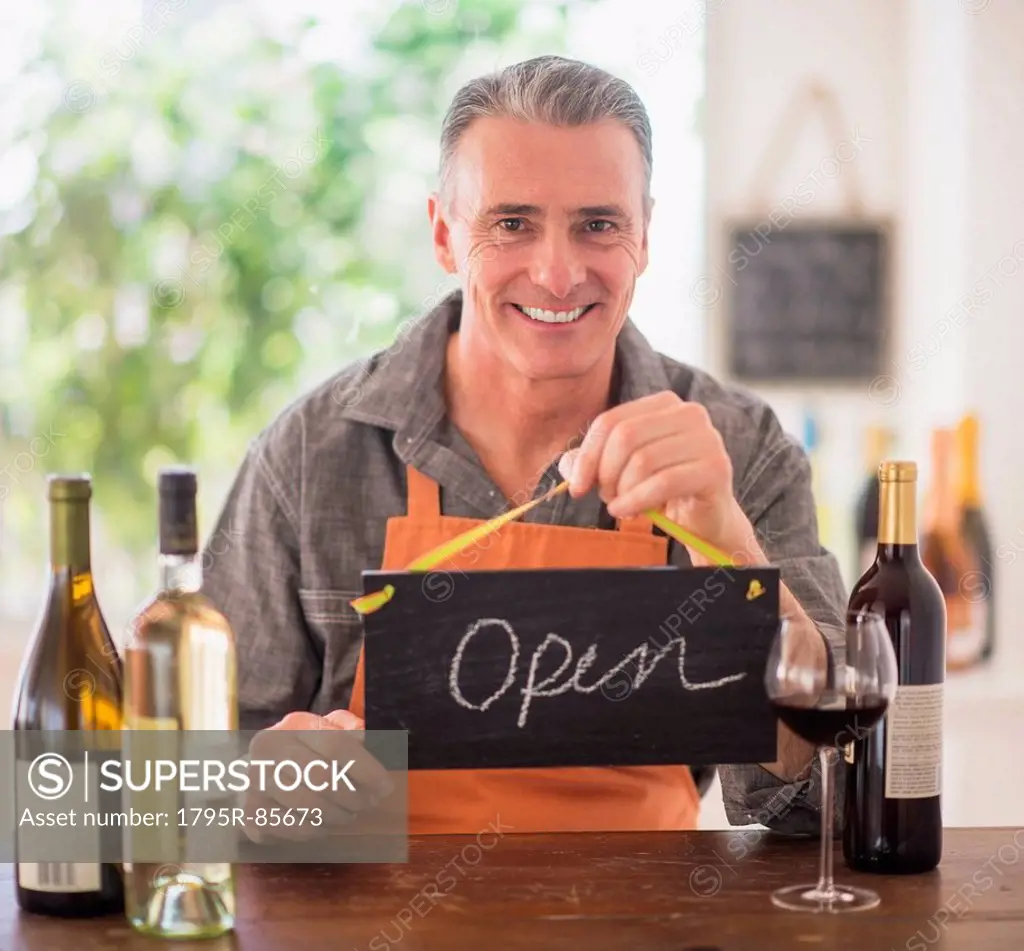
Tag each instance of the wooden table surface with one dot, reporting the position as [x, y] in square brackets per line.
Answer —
[693, 891]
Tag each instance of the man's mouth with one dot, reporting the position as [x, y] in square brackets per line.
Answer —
[554, 316]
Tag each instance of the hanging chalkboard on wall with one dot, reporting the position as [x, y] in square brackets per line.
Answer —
[567, 667]
[807, 301]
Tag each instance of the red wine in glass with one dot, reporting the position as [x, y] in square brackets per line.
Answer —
[829, 705]
[834, 720]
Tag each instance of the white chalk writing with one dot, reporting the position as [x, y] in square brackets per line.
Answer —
[453, 674]
[644, 657]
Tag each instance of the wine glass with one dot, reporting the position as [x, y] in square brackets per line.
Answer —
[831, 708]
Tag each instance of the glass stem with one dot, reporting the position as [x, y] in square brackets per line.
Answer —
[826, 887]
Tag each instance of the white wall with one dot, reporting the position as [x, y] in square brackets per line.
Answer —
[935, 91]
[759, 56]
[993, 341]
[933, 95]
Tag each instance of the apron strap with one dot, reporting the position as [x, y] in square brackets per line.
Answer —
[424, 501]
[424, 495]
[638, 523]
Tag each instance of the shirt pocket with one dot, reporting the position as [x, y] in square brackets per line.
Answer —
[329, 608]
[338, 633]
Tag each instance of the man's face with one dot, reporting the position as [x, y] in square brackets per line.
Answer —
[546, 228]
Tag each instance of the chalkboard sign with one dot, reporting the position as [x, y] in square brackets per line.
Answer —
[566, 667]
[807, 301]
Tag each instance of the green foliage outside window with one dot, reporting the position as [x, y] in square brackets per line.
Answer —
[212, 227]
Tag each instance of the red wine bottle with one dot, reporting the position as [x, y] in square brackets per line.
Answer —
[893, 814]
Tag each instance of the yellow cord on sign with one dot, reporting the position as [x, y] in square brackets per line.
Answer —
[374, 601]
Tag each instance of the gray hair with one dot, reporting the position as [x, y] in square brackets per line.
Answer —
[549, 89]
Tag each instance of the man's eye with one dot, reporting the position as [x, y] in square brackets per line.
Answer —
[599, 226]
[511, 224]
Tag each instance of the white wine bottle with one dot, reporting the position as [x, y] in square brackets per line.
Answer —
[70, 679]
[180, 674]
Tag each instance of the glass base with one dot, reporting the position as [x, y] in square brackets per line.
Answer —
[180, 903]
[839, 898]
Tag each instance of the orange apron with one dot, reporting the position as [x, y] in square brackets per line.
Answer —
[564, 799]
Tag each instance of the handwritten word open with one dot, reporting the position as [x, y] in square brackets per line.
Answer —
[644, 657]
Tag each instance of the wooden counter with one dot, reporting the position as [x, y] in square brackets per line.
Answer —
[694, 891]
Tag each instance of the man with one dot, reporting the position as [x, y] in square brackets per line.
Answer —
[542, 213]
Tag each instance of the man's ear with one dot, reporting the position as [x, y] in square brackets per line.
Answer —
[644, 247]
[442, 235]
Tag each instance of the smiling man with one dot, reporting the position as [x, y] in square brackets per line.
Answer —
[530, 372]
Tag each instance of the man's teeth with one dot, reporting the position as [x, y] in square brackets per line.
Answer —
[553, 316]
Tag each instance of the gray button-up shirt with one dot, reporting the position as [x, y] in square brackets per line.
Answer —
[307, 514]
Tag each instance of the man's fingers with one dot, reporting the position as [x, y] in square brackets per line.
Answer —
[298, 720]
[345, 720]
[337, 740]
[586, 463]
[644, 443]
[566, 463]
[667, 454]
[298, 776]
[654, 491]
[368, 776]
[335, 747]
[587, 459]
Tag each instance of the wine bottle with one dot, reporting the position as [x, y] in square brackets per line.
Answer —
[893, 814]
[948, 556]
[70, 679]
[878, 445]
[979, 590]
[180, 674]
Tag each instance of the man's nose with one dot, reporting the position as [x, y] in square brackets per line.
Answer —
[557, 265]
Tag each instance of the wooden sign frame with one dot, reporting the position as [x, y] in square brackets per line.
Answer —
[574, 667]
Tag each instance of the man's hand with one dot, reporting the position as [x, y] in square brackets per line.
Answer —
[661, 452]
[305, 738]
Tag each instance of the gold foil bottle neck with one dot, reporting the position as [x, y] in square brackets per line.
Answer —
[897, 503]
[897, 470]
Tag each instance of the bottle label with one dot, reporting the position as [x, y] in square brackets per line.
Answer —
[59, 876]
[60, 818]
[913, 742]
